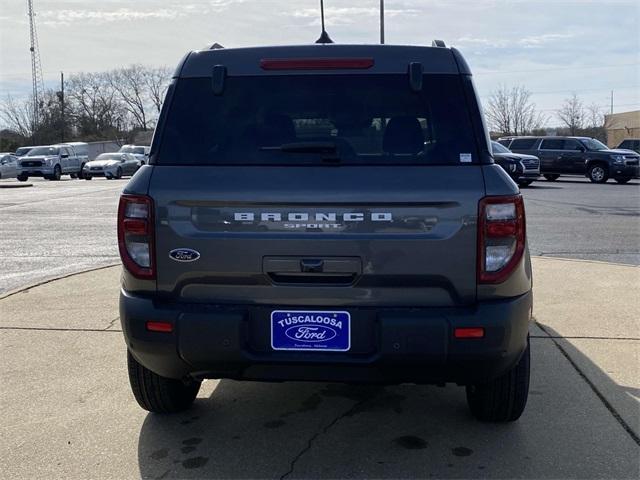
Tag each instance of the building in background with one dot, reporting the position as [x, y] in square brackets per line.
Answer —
[620, 126]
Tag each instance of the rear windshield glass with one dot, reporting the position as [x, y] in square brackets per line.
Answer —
[311, 119]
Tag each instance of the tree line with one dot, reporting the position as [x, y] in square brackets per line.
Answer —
[510, 111]
[117, 104]
[111, 105]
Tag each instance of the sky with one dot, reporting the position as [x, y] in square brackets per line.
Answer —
[551, 47]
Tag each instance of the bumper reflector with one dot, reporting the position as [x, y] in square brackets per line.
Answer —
[475, 332]
[164, 327]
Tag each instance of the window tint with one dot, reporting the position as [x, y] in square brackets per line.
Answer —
[552, 144]
[523, 143]
[505, 142]
[570, 144]
[307, 119]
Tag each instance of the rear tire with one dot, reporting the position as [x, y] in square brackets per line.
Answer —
[502, 399]
[88, 177]
[525, 183]
[23, 178]
[551, 177]
[159, 394]
[118, 174]
[624, 180]
[598, 173]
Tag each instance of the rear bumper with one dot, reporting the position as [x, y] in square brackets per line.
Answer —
[389, 345]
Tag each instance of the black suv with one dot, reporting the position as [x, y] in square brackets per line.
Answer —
[630, 144]
[325, 213]
[577, 156]
[523, 169]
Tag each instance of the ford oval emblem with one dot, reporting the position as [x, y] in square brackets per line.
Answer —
[184, 255]
[310, 333]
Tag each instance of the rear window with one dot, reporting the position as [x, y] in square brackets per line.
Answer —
[523, 143]
[311, 119]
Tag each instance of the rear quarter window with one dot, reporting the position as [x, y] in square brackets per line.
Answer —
[523, 143]
[307, 119]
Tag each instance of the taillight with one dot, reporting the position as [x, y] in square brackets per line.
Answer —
[501, 237]
[135, 235]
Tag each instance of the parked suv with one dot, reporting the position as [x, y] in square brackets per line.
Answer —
[50, 162]
[523, 169]
[577, 156]
[325, 213]
[630, 144]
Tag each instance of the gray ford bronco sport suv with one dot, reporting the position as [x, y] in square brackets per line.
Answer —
[325, 213]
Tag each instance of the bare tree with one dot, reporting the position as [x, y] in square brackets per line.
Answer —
[510, 111]
[595, 116]
[572, 114]
[17, 115]
[94, 104]
[157, 81]
[130, 84]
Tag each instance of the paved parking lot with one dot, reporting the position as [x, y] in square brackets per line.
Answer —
[56, 228]
[68, 411]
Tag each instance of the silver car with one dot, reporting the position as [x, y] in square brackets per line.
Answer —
[111, 165]
[8, 165]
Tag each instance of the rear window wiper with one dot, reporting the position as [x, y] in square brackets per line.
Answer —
[305, 147]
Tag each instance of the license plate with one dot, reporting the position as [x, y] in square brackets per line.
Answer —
[327, 331]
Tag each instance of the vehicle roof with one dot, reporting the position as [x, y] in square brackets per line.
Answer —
[387, 59]
[546, 137]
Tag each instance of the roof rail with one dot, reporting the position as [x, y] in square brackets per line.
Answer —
[438, 43]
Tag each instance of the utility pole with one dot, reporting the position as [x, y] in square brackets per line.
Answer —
[382, 22]
[611, 102]
[61, 97]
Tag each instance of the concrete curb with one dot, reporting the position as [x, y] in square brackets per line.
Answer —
[581, 260]
[15, 185]
[15, 291]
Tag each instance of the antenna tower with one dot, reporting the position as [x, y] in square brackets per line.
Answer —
[36, 65]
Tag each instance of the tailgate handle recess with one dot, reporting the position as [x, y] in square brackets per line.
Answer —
[306, 270]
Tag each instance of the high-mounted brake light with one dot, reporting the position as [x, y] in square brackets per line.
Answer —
[316, 63]
[135, 235]
[501, 237]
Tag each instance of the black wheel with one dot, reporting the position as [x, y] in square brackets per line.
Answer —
[525, 183]
[73, 175]
[159, 394]
[551, 177]
[57, 173]
[88, 177]
[503, 399]
[80, 174]
[118, 173]
[23, 178]
[598, 173]
[622, 181]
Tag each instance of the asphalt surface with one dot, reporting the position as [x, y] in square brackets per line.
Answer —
[57, 228]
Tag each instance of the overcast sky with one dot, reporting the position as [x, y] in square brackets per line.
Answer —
[552, 47]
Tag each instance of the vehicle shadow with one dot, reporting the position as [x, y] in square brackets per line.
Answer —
[320, 430]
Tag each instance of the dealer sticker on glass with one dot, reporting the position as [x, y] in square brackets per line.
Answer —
[327, 331]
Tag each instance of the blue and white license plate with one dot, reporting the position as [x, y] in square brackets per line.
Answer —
[327, 331]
